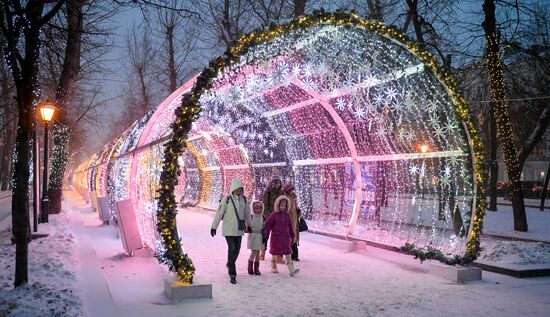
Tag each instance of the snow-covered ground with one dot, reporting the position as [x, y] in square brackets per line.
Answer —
[87, 260]
[501, 223]
[52, 289]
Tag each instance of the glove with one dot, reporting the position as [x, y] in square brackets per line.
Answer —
[247, 229]
[264, 239]
[212, 232]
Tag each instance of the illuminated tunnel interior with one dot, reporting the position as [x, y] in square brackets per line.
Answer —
[369, 132]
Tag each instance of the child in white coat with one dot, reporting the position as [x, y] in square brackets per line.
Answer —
[255, 241]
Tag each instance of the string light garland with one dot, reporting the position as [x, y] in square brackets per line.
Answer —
[60, 154]
[339, 120]
[503, 124]
[191, 108]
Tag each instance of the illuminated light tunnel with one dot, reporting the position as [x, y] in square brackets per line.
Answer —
[369, 128]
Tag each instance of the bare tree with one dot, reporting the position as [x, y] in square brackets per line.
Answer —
[142, 93]
[69, 74]
[389, 11]
[223, 21]
[269, 11]
[141, 54]
[8, 119]
[180, 40]
[299, 7]
[528, 58]
[21, 23]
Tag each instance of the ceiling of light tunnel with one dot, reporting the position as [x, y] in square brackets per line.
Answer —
[318, 95]
[313, 98]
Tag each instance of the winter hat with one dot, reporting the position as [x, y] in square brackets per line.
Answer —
[236, 183]
[278, 202]
[287, 186]
[257, 202]
[275, 177]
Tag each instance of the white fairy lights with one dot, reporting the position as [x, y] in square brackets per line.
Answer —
[360, 122]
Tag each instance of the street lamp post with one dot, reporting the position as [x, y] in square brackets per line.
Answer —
[47, 111]
[35, 168]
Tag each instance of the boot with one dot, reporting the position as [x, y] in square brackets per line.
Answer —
[257, 268]
[295, 252]
[233, 279]
[250, 270]
[274, 266]
[262, 255]
[291, 270]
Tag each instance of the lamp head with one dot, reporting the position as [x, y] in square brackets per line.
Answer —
[47, 110]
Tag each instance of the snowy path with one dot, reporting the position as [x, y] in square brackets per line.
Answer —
[370, 283]
[331, 283]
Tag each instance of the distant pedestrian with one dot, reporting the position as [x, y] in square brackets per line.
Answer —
[279, 226]
[255, 242]
[295, 214]
[235, 213]
[272, 192]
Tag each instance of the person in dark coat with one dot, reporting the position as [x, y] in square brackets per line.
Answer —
[295, 215]
[279, 226]
[273, 191]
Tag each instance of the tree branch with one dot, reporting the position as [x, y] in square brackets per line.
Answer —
[536, 135]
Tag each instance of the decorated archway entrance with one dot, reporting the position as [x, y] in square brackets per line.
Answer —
[368, 126]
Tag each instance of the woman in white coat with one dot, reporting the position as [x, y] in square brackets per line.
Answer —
[235, 213]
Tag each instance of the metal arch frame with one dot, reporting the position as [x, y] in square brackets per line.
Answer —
[146, 130]
[352, 222]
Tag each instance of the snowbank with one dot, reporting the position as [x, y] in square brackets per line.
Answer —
[52, 289]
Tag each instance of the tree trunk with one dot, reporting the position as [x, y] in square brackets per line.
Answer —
[413, 11]
[69, 74]
[375, 10]
[535, 137]
[7, 147]
[299, 7]
[504, 128]
[6, 159]
[26, 85]
[144, 102]
[22, 53]
[173, 76]
[20, 198]
[493, 166]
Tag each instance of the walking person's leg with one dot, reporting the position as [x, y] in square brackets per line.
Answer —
[274, 264]
[233, 249]
[262, 252]
[295, 252]
[256, 261]
[230, 251]
[290, 264]
[254, 254]
[238, 241]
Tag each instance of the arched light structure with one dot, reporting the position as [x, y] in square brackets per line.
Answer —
[370, 129]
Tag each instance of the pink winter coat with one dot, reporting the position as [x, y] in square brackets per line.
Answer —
[280, 227]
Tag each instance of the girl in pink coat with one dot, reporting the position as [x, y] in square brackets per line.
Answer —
[279, 225]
